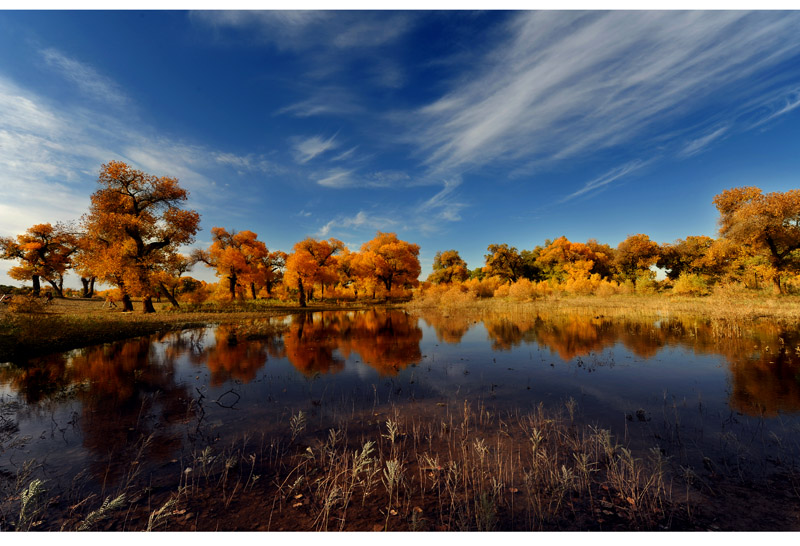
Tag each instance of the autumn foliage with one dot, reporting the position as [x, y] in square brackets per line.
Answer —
[44, 252]
[137, 222]
[134, 227]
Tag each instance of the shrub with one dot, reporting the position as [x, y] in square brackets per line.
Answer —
[28, 304]
[645, 284]
[689, 284]
[502, 291]
[607, 288]
[522, 290]
[483, 288]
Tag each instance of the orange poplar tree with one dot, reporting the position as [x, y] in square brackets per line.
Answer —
[134, 227]
[504, 262]
[635, 255]
[769, 224]
[348, 269]
[448, 267]
[685, 256]
[44, 252]
[312, 262]
[235, 256]
[391, 261]
[269, 269]
[563, 260]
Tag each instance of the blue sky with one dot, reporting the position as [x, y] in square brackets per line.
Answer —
[454, 129]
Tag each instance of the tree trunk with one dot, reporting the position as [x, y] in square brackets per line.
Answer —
[253, 290]
[232, 285]
[777, 288]
[58, 288]
[36, 287]
[127, 306]
[147, 304]
[85, 283]
[268, 286]
[302, 292]
[169, 296]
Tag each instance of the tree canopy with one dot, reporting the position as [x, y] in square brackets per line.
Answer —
[44, 252]
[769, 224]
[134, 226]
[448, 267]
[392, 261]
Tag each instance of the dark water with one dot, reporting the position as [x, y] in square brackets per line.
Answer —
[694, 387]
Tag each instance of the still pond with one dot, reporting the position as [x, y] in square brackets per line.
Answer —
[700, 389]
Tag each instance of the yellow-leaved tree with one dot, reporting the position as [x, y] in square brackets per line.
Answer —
[768, 224]
[448, 267]
[312, 262]
[391, 261]
[236, 256]
[134, 228]
[44, 252]
[634, 257]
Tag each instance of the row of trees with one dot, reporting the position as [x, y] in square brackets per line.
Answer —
[131, 236]
[128, 239]
[136, 224]
[384, 264]
[759, 239]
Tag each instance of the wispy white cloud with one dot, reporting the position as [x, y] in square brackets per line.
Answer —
[567, 84]
[607, 178]
[347, 154]
[307, 149]
[361, 220]
[388, 74]
[427, 216]
[786, 102]
[700, 143]
[183, 161]
[86, 78]
[348, 178]
[51, 153]
[246, 163]
[327, 100]
[384, 179]
[443, 206]
[300, 30]
[337, 178]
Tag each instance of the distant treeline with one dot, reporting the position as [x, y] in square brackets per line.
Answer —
[130, 237]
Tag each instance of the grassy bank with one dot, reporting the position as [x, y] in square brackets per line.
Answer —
[67, 324]
[739, 307]
[71, 323]
[433, 469]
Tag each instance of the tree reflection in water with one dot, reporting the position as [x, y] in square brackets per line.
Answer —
[129, 390]
[127, 394]
[763, 357]
[240, 359]
[386, 340]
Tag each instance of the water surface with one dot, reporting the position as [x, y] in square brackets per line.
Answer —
[695, 388]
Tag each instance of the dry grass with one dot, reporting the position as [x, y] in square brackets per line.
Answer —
[69, 323]
[463, 470]
[35, 328]
[730, 307]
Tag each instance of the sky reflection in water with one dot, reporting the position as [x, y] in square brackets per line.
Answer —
[644, 379]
